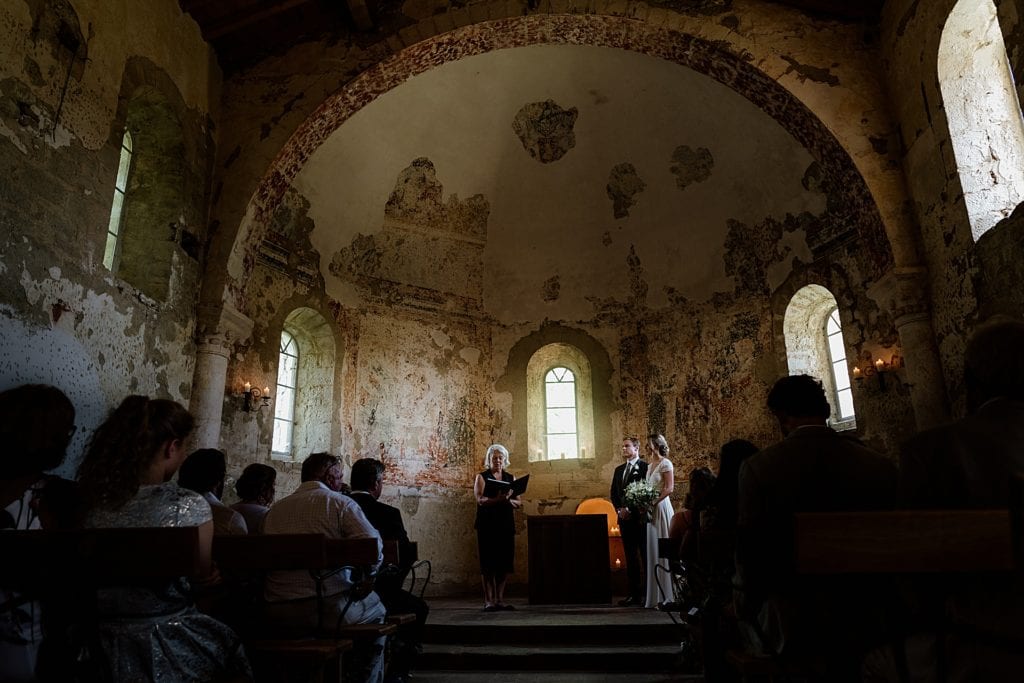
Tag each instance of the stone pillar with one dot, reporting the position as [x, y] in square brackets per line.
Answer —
[220, 328]
[902, 293]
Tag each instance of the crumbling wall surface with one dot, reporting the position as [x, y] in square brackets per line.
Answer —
[966, 279]
[829, 67]
[66, 319]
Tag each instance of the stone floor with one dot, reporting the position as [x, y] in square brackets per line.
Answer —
[549, 643]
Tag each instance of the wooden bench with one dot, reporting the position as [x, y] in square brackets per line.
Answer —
[322, 557]
[893, 543]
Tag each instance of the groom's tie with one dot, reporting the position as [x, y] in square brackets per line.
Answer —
[626, 473]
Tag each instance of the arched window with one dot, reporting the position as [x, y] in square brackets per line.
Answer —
[983, 113]
[284, 402]
[840, 373]
[560, 425]
[560, 404]
[304, 409]
[815, 347]
[111, 252]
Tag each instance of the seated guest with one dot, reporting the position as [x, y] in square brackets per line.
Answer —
[318, 507]
[204, 473]
[686, 524]
[968, 465]
[367, 483]
[36, 425]
[256, 489]
[719, 527]
[153, 633]
[813, 469]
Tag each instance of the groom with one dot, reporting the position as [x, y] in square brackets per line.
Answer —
[633, 532]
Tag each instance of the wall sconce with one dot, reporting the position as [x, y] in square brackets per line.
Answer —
[252, 394]
[878, 370]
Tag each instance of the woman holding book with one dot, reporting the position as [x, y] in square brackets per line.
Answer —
[495, 526]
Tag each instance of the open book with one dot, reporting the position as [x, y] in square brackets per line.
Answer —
[494, 488]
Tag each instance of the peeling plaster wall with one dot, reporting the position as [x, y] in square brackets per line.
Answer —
[968, 281]
[439, 301]
[65, 319]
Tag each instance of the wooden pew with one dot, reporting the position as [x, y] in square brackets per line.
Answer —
[322, 650]
[97, 557]
[907, 543]
[904, 542]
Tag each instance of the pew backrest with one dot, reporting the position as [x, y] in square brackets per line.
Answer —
[97, 556]
[904, 541]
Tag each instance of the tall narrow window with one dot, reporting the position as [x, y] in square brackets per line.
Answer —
[840, 373]
[284, 403]
[110, 253]
[560, 413]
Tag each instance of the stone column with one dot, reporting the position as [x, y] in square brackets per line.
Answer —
[220, 328]
[903, 293]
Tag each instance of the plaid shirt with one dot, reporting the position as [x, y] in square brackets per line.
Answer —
[314, 509]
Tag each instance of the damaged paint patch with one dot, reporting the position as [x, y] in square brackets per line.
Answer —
[623, 185]
[418, 198]
[750, 251]
[810, 73]
[545, 130]
[691, 166]
[550, 289]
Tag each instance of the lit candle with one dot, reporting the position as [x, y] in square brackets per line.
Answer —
[266, 391]
[247, 386]
[618, 563]
[879, 364]
[856, 372]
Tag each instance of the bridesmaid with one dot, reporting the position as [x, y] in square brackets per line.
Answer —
[661, 477]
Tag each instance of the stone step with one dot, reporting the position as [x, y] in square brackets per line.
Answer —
[551, 634]
[499, 656]
[450, 676]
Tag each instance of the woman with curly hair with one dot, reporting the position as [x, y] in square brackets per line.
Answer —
[154, 632]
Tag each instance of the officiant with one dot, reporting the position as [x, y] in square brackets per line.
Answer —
[634, 539]
[495, 526]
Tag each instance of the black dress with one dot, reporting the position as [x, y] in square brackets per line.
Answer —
[495, 532]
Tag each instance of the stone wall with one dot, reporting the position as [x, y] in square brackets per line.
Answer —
[67, 72]
[967, 280]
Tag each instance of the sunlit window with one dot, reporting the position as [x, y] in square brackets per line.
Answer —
[840, 373]
[110, 253]
[560, 414]
[284, 403]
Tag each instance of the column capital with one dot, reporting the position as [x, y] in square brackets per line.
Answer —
[220, 326]
[903, 293]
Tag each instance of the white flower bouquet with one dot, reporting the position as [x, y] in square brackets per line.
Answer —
[639, 495]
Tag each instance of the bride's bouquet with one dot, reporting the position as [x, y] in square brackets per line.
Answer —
[638, 496]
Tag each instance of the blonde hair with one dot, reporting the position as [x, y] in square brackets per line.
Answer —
[499, 448]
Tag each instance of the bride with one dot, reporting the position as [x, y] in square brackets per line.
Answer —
[662, 479]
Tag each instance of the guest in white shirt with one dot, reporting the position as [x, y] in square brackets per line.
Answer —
[318, 507]
[203, 472]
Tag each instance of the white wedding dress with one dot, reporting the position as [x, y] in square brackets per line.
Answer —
[657, 528]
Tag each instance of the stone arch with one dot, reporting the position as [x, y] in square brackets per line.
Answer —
[514, 381]
[854, 212]
[314, 399]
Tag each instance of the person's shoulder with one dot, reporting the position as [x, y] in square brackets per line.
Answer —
[191, 508]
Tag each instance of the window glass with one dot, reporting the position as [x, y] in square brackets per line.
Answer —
[117, 206]
[560, 414]
[284, 403]
[840, 373]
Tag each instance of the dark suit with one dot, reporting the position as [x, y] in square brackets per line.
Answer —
[387, 520]
[634, 538]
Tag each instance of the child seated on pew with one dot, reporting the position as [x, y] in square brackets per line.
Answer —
[154, 632]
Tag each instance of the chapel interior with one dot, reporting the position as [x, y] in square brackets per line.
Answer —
[373, 227]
